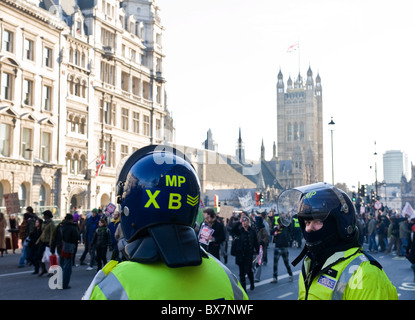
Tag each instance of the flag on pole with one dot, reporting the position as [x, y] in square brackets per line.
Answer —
[100, 163]
[293, 47]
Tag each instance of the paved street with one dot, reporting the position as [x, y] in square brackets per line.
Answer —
[20, 284]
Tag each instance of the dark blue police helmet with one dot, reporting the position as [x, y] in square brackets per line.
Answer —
[157, 185]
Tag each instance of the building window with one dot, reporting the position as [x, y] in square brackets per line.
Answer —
[82, 163]
[290, 132]
[146, 90]
[22, 195]
[158, 128]
[302, 131]
[26, 143]
[27, 92]
[124, 119]
[42, 196]
[136, 122]
[107, 73]
[45, 146]
[29, 49]
[136, 86]
[124, 81]
[146, 125]
[107, 39]
[47, 57]
[47, 101]
[295, 131]
[158, 94]
[107, 113]
[124, 151]
[6, 86]
[5, 139]
[8, 41]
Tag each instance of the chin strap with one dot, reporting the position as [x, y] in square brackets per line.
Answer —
[176, 245]
[300, 256]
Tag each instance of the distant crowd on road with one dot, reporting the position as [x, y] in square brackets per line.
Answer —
[40, 239]
[389, 232]
[246, 236]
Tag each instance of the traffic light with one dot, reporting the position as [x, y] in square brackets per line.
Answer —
[257, 198]
[353, 196]
[363, 191]
[261, 198]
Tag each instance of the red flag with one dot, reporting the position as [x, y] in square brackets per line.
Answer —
[100, 163]
[293, 47]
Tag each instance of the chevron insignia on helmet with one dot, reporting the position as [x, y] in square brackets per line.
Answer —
[193, 201]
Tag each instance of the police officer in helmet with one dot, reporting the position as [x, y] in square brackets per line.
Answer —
[158, 193]
[335, 266]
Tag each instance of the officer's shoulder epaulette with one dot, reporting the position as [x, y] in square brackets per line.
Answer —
[109, 266]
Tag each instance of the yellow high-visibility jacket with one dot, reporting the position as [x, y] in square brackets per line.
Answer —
[156, 281]
[346, 275]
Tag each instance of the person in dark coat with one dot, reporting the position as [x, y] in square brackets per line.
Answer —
[281, 239]
[247, 248]
[218, 235]
[91, 226]
[65, 241]
[34, 245]
[101, 242]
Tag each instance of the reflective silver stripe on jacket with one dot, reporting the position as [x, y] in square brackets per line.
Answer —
[346, 276]
[237, 291]
[112, 288]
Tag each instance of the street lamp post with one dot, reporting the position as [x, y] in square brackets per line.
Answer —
[32, 173]
[331, 125]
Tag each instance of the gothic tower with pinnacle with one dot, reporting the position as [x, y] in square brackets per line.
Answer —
[299, 130]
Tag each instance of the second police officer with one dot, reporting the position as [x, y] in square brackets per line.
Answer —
[335, 266]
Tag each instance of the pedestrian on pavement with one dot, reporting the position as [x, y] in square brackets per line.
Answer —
[282, 237]
[371, 230]
[115, 221]
[14, 232]
[91, 226]
[382, 231]
[263, 240]
[29, 228]
[23, 236]
[404, 234]
[247, 247]
[335, 266]
[33, 244]
[65, 240]
[393, 233]
[218, 235]
[45, 239]
[101, 242]
[3, 226]
[159, 192]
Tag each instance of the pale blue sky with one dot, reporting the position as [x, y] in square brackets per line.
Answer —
[223, 57]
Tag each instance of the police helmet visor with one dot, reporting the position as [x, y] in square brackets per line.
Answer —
[312, 202]
[287, 205]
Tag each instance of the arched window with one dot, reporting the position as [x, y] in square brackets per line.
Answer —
[296, 131]
[22, 195]
[82, 126]
[82, 163]
[74, 164]
[302, 131]
[42, 196]
[68, 161]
